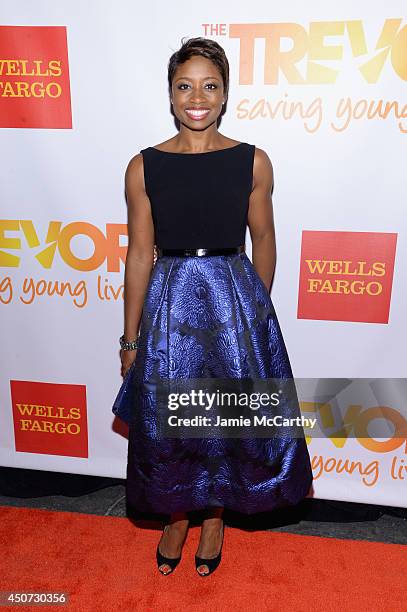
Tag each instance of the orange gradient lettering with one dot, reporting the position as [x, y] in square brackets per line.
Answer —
[106, 246]
[312, 45]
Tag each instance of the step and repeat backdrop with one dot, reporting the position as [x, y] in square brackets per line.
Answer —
[321, 89]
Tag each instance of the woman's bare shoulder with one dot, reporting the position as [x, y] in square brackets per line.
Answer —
[261, 155]
[134, 174]
[262, 167]
[262, 160]
[135, 165]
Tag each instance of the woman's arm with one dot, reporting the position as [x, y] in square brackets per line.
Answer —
[140, 252]
[260, 218]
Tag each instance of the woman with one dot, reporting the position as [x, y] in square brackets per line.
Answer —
[201, 310]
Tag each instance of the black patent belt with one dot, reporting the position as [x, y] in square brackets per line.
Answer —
[200, 252]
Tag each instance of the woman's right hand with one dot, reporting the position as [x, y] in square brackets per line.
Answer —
[127, 358]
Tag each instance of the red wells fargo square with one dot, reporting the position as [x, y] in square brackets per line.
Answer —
[34, 77]
[50, 418]
[346, 276]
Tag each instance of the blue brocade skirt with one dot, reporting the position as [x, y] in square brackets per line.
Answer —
[207, 317]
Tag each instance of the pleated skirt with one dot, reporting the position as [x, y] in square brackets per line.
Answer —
[207, 317]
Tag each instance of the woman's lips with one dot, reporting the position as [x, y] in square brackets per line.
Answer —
[197, 114]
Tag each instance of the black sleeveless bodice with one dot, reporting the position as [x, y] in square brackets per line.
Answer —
[199, 200]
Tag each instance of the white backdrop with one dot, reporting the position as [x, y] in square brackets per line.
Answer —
[336, 174]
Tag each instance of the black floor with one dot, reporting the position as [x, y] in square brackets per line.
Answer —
[106, 497]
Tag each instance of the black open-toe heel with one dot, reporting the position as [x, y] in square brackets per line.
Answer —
[161, 560]
[211, 564]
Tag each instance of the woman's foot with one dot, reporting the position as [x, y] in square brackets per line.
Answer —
[172, 540]
[210, 543]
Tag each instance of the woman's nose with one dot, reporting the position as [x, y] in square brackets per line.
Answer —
[197, 96]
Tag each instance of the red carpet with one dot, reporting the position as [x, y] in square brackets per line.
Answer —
[108, 564]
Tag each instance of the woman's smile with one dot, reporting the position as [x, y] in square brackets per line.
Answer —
[197, 114]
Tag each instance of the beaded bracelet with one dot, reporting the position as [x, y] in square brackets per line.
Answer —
[128, 346]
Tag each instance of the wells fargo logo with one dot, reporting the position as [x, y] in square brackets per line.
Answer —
[346, 276]
[50, 418]
[34, 77]
[311, 44]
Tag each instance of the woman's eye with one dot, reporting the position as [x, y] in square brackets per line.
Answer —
[212, 85]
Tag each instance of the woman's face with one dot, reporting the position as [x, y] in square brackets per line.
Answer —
[197, 93]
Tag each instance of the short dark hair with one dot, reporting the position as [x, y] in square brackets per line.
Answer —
[206, 48]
